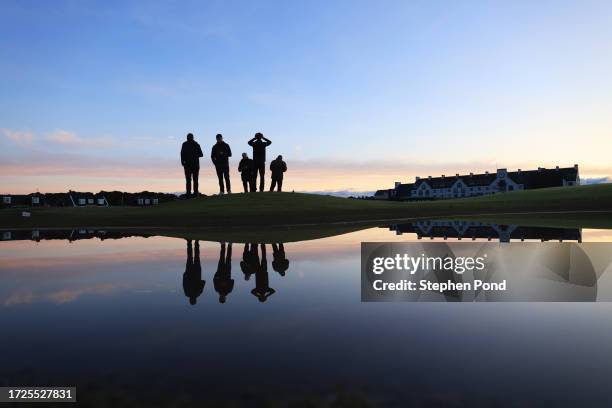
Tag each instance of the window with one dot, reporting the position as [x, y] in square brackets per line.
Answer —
[90, 201]
[156, 201]
[35, 200]
[147, 201]
[81, 201]
[100, 201]
[6, 200]
[140, 201]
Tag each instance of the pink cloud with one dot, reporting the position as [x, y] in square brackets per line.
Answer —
[18, 137]
[65, 137]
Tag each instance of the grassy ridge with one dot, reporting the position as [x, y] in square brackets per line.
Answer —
[283, 209]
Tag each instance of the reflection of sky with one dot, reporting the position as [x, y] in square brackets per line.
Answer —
[115, 309]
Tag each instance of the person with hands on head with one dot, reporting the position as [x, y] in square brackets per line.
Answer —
[259, 144]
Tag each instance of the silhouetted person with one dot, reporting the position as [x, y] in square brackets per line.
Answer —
[193, 285]
[246, 167]
[250, 260]
[223, 278]
[262, 283]
[259, 143]
[190, 159]
[277, 167]
[220, 154]
[280, 263]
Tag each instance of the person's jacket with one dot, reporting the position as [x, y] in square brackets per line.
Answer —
[259, 149]
[191, 153]
[245, 167]
[220, 153]
[278, 167]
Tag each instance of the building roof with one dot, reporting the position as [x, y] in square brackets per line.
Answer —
[544, 177]
[530, 178]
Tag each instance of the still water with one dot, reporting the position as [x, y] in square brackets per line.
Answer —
[158, 320]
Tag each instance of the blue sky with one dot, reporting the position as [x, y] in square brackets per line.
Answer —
[355, 94]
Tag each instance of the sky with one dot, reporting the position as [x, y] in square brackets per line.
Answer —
[354, 94]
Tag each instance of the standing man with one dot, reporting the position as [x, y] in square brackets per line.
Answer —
[190, 159]
[277, 167]
[259, 144]
[220, 154]
[247, 173]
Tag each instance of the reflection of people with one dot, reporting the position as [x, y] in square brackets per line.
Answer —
[193, 285]
[190, 159]
[262, 284]
[223, 278]
[247, 173]
[259, 144]
[220, 154]
[277, 167]
[249, 260]
[280, 263]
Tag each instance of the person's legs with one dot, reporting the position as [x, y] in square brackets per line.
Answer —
[220, 177]
[252, 182]
[280, 184]
[261, 168]
[245, 184]
[187, 180]
[273, 184]
[196, 174]
[227, 179]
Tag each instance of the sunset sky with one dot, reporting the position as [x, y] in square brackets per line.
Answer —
[354, 94]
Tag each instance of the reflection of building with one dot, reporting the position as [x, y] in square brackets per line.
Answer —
[471, 185]
[481, 230]
[70, 235]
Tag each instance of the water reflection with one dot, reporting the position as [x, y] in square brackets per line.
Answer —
[121, 327]
[280, 263]
[193, 285]
[223, 281]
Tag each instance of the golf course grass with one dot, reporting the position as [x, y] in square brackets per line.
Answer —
[293, 210]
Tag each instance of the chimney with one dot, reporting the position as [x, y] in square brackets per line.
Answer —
[417, 178]
[576, 166]
[519, 171]
[443, 176]
[557, 168]
[457, 175]
[486, 172]
[397, 184]
[471, 174]
[429, 177]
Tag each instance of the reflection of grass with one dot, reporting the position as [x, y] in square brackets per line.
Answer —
[569, 220]
[258, 235]
[284, 209]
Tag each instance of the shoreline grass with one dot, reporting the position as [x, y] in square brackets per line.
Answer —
[305, 210]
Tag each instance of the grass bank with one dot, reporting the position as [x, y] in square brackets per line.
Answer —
[303, 210]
